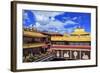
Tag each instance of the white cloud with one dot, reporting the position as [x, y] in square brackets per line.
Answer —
[44, 17]
[51, 26]
[47, 13]
[74, 18]
[45, 21]
[70, 22]
[52, 18]
[55, 26]
[25, 15]
[37, 24]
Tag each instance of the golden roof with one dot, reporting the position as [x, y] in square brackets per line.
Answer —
[79, 31]
[33, 34]
[71, 38]
[52, 33]
[78, 36]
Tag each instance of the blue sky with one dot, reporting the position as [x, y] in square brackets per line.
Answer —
[62, 22]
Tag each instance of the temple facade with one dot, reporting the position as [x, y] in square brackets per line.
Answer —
[35, 45]
[47, 46]
[76, 45]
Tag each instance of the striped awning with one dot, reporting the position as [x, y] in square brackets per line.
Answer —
[71, 46]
